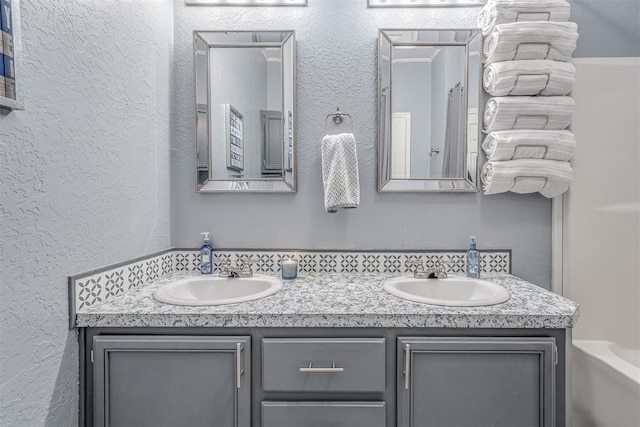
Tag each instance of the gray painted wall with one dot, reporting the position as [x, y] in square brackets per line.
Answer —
[84, 170]
[84, 176]
[608, 28]
[337, 67]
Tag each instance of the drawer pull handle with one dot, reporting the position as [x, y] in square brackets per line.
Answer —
[332, 370]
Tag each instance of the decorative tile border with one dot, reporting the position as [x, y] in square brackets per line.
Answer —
[88, 289]
[268, 262]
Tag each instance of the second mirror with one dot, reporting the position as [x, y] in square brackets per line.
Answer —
[428, 104]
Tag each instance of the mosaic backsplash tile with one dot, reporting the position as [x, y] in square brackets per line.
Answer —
[88, 290]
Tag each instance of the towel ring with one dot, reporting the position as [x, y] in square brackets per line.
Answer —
[338, 118]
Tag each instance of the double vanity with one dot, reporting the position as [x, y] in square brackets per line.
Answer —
[339, 349]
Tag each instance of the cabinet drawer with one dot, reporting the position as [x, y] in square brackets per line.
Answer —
[344, 365]
[335, 414]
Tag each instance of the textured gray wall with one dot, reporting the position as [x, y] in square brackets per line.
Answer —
[337, 67]
[84, 170]
[84, 173]
[608, 28]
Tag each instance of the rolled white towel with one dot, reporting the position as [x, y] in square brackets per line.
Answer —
[497, 12]
[529, 144]
[548, 177]
[533, 77]
[530, 40]
[340, 172]
[528, 112]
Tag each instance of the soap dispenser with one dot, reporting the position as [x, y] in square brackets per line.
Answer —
[473, 259]
[206, 255]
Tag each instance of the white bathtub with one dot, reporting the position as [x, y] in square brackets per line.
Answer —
[606, 385]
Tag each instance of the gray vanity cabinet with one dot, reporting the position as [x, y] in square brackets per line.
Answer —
[171, 380]
[333, 370]
[476, 382]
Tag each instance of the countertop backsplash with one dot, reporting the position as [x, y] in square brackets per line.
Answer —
[97, 286]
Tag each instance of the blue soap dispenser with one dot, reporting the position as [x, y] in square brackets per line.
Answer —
[206, 255]
[473, 259]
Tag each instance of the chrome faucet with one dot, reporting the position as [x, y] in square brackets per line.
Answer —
[243, 270]
[419, 272]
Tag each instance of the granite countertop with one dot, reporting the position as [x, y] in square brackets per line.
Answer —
[335, 300]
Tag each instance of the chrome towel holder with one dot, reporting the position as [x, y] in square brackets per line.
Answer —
[338, 118]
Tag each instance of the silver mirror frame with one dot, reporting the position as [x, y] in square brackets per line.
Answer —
[424, 3]
[467, 184]
[241, 185]
[236, 3]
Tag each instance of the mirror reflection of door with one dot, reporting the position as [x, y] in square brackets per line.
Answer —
[401, 147]
[272, 142]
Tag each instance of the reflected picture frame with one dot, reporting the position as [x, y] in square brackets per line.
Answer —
[11, 77]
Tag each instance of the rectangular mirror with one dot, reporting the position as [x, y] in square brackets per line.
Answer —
[428, 105]
[245, 111]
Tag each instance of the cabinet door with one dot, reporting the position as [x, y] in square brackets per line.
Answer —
[171, 381]
[476, 382]
[322, 414]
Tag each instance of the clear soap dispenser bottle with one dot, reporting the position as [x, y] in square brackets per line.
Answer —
[206, 255]
[473, 259]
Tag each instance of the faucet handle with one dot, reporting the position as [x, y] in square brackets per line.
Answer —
[441, 268]
[224, 262]
[415, 265]
[245, 264]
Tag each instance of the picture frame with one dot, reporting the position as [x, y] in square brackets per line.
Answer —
[11, 78]
[234, 130]
[289, 163]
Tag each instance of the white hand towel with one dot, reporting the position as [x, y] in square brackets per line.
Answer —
[530, 40]
[548, 177]
[529, 144]
[340, 172]
[497, 12]
[528, 112]
[533, 77]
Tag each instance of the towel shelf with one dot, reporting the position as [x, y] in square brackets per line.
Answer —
[528, 16]
[524, 44]
[518, 122]
[338, 118]
[515, 86]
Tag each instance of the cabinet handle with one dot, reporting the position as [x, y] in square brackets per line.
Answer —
[331, 370]
[407, 365]
[239, 370]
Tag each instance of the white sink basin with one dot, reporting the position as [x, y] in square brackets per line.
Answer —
[454, 291]
[212, 290]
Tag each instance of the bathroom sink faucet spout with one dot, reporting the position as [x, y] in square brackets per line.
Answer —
[227, 271]
[419, 272]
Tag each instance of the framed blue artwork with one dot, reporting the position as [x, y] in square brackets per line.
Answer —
[11, 90]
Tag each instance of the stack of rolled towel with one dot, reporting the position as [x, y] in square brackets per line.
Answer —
[526, 52]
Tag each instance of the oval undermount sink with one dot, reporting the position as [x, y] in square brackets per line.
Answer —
[452, 291]
[208, 290]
